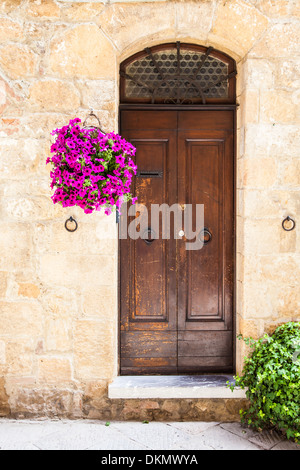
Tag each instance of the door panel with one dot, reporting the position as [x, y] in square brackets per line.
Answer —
[205, 276]
[148, 270]
[176, 304]
[204, 268]
[149, 262]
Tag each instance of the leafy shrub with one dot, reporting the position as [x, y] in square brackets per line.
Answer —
[271, 375]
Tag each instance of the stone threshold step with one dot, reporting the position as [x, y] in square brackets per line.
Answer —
[173, 386]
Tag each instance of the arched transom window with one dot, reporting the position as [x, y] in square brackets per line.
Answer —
[178, 74]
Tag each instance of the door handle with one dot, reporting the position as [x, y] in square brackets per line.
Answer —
[205, 236]
[149, 231]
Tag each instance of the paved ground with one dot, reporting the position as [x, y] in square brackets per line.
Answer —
[95, 435]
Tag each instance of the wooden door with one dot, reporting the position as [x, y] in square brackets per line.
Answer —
[176, 304]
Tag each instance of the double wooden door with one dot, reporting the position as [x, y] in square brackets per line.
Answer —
[176, 305]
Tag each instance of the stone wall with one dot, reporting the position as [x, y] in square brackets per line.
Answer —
[58, 291]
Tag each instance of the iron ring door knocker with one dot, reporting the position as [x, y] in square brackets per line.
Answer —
[151, 236]
[205, 236]
[288, 224]
[71, 221]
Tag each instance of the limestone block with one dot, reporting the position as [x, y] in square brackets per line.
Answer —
[40, 124]
[280, 269]
[29, 400]
[8, 6]
[240, 203]
[91, 236]
[288, 303]
[31, 208]
[58, 333]
[240, 224]
[239, 277]
[249, 103]
[241, 77]
[271, 140]
[101, 304]
[125, 24]
[4, 405]
[54, 370]
[288, 240]
[291, 173]
[3, 283]
[243, 351]
[9, 127]
[268, 204]
[2, 353]
[15, 238]
[274, 8]
[9, 99]
[280, 106]
[259, 172]
[240, 23]
[20, 319]
[82, 11]
[27, 289]
[240, 138]
[260, 299]
[18, 61]
[78, 270]
[188, 15]
[281, 40]
[287, 74]
[96, 389]
[262, 236]
[94, 350]
[251, 328]
[2, 93]
[40, 236]
[54, 95]
[96, 93]
[83, 51]
[259, 73]
[10, 30]
[19, 158]
[19, 357]
[295, 9]
[43, 8]
[59, 303]
[240, 174]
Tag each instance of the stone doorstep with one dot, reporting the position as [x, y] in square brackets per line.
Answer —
[173, 386]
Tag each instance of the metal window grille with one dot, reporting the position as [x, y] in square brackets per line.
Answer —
[178, 74]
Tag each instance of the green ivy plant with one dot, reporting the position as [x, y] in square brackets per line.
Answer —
[271, 378]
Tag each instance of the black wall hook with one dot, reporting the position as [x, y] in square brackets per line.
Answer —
[95, 117]
[71, 221]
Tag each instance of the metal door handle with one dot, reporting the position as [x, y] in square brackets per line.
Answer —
[205, 236]
[149, 232]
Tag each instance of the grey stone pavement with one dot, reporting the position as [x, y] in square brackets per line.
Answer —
[96, 435]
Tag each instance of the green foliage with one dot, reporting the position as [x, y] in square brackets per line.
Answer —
[271, 377]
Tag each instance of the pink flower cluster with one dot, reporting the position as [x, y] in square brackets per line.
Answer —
[90, 169]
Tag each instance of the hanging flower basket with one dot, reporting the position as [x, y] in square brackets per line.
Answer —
[91, 169]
